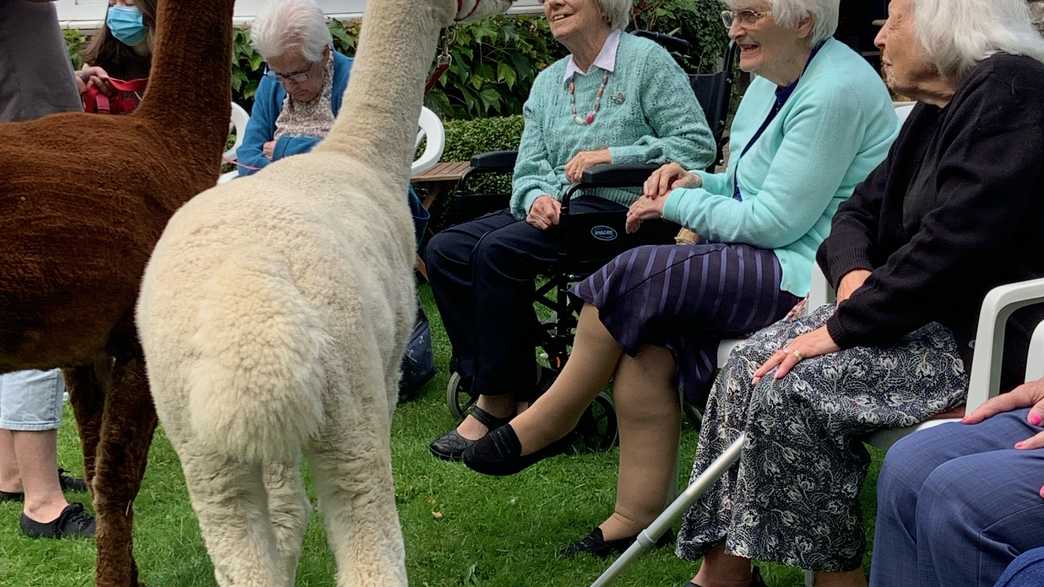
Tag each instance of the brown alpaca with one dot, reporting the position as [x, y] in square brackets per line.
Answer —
[83, 200]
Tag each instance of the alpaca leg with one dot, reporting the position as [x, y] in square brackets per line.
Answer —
[87, 398]
[289, 508]
[128, 421]
[353, 478]
[230, 501]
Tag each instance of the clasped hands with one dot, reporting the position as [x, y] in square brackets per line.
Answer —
[654, 192]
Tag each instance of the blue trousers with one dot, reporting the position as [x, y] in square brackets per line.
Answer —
[956, 504]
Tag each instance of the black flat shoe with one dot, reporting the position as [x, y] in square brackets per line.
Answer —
[596, 544]
[70, 483]
[755, 580]
[73, 522]
[498, 453]
[451, 445]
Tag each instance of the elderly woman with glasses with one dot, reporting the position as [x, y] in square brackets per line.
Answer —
[955, 210]
[814, 122]
[300, 93]
[616, 98]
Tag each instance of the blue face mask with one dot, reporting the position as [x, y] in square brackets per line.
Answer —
[126, 24]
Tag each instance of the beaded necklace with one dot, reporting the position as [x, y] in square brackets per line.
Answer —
[587, 120]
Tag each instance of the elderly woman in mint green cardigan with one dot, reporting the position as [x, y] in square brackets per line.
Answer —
[814, 122]
[616, 98]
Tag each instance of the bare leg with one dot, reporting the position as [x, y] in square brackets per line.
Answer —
[854, 578]
[288, 509]
[127, 426]
[720, 569]
[37, 464]
[10, 481]
[649, 416]
[588, 370]
[230, 501]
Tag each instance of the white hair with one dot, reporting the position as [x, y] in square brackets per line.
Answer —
[957, 34]
[283, 25]
[617, 12]
[789, 13]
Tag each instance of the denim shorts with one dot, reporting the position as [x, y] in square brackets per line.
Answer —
[31, 400]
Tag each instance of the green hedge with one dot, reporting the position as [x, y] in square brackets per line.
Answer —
[465, 138]
[494, 61]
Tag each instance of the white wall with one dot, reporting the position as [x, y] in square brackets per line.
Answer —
[88, 14]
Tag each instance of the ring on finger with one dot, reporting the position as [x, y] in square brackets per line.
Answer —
[798, 355]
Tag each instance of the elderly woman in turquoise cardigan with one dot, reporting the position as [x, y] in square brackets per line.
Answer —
[616, 98]
[814, 122]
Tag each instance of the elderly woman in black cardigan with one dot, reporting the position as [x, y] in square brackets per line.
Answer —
[956, 209]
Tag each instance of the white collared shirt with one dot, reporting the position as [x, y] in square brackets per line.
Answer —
[606, 59]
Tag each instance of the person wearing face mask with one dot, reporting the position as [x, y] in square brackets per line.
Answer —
[120, 51]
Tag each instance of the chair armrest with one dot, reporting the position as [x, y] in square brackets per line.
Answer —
[1035, 368]
[997, 307]
[495, 161]
[617, 176]
[820, 293]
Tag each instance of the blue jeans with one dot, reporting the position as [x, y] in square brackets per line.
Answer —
[31, 401]
[956, 504]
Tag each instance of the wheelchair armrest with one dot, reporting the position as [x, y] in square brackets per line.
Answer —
[495, 161]
[617, 176]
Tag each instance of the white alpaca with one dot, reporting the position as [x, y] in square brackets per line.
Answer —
[274, 313]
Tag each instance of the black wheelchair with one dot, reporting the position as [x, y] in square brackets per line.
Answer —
[588, 241]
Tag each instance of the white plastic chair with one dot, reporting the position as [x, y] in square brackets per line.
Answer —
[238, 123]
[431, 128]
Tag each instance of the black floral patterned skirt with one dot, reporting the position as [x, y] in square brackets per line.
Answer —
[791, 498]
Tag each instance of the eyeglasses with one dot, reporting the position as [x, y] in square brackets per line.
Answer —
[745, 17]
[297, 77]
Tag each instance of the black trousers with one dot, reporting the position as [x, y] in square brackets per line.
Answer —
[482, 276]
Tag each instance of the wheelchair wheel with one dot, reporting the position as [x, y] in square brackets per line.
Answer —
[458, 396]
[597, 430]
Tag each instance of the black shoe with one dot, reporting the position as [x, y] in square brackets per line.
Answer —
[11, 496]
[70, 483]
[596, 544]
[755, 580]
[451, 445]
[498, 453]
[73, 522]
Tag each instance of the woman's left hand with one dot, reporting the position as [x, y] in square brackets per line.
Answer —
[583, 161]
[806, 346]
[644, 208]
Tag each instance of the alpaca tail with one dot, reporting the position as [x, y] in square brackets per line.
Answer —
[256, 390]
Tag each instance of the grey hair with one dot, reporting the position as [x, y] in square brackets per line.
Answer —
[957, 34]
[617, 12]
[788, 13]
[283, 25]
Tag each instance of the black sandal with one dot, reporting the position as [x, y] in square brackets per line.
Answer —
[596, 544]
[451, 445]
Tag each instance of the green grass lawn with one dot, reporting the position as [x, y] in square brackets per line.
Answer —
[460, 528]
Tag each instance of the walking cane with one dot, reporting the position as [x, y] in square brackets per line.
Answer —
[649, 536]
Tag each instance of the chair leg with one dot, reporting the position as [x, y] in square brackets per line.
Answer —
[810, 578]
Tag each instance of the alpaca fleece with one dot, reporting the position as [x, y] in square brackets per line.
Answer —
[83, 200]
[274, 314]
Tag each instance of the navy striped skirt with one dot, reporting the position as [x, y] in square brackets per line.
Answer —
[688, 298]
